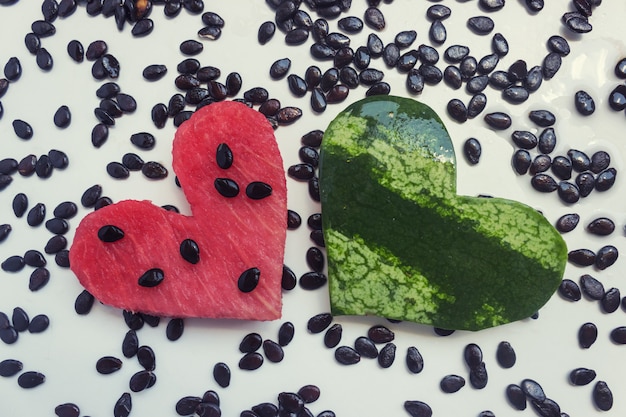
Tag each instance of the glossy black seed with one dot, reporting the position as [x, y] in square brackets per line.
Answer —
[456, 53]
[453, 77]
[38, 324]
[22, 129]
[13, 69]
[30, 379]
[312, 280]
[154, 72]
[26, 166]
[346, 355]
[605, 179]
[414, 360]
[365, 347]
[130, 344]
[405, 38]
[19, 204]
[472, 150]
[174, 329]
[606, 256]
[415, 82]
[418, 409]
[13, 263]
[457, 110]
[123, 406]
[83, 303]
[570, 290]
[374, 18]
[20, 319]
[141, 380]
[601, 226]
[576, 22]
[44, 59]
[499, 80]
[191, 47]
[8, 334]
[541, 163]
[250, 343]
[117, 170]
[438, 11]
[599, 162]
[285, 333]
[515, 94]
[293, 220]
[110, 65]
[437, 32]
[32, 42]
[314, 189]
[91, 195]
[319, 322]
[547, 140]
[134, 321]
[551, 65]
[591, 287]
[481, 25]
[618, 335]
[187, 405]
[210, 32]
[10, 367]
[273, 351]
[43, 28]
[55, 244]
[584, 103]
[477, 84]
[154, 170]
[251, 361]
[499, 45]
[544, 183]
[258, 190]
[487, 63]
[332, 337]
[248, 280]
[473, 355]
[190, 251]
[151, 278]
[315, 259]
[524, 139]
[380, 334]
[611, 300]
[582, 257]
[533, 79]
[478, 376]
[451, 383]
[533, 390]
[181, 117]
[36, 215]
[586, 183]
[309, 393]
[309, 155]
[498, 120]
[312, 138]
[5, 230]
[374, 45]
[159, 114]
[602, 396]
[256, 95]
[387, 355]
[568, 192]
[43, 167]
[34, 258]
[521, 161]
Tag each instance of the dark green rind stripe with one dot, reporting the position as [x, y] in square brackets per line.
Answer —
[433, 237]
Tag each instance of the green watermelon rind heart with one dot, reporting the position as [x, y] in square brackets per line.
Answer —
[403, 245]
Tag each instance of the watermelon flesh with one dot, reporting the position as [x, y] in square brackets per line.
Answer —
[233, 234]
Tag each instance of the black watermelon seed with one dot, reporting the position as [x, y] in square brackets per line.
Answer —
[134, 321]
[551, 65]
[151, 278]
[562, 167]
[130, 344]
[576, 22]
[34, 258]
[99, 134]
[84, 302]
[478, 376]
[366, 347]
[264, 410]
[516, 396]
[43, 28]
[5, 230]
[36, 215]
[542, 118]
[38, 324]
[154, 72]
[559, 45]
[58, 159]
[472, 150]
[332, 337]
[319, 322]
[248, 280]
[499, 45]
[150, 320]
[606, 256]
[143, 27]
[602, 396]
[586, 183]
[273, 351]
[487, 63]
[117, 170]
[473, 355]
[258, 190]
[132, 161]
[55, 244]
[481, 25]
[533, 390]
[30, 379]
[224, 156]
[221, 374]
[457, 110]
[19, 204]
[346, 355]
[587, 335]
[13, 263]
[65, 210]
[146, 358]
[414, 360]
[600, 161]
[605, 179]
[226, 187]
[20, 319]
[143, 140]
[174, 329]
[582, 257]
[544, 183]
[378, 89]
[541, 163]
[515, 94]
[8, 166]
[418, 409]
[582, 376]
[498, 120]
[110, 233]
[251, 343]
[611, 300]
[62, 117]
[505, 355]
[568, 192]
[387, 355]
[187, 405]
[547, 140]
[309, 393]
[303, 171]
[591, 287]
[288, 280]
[22, 129]
[102, 202]
[251, 361]
[13, 69]
[546, 408]
[44, 59]
[104, 117]
[190, 251]
[451, 383]
[154, 170]
[126, 102]
[285, 333]
[123, 406]
[570, 290]
[453, 77]
[8, 335]
[380, 334]
[618, 335]
[141, 380]
[191, 47]
[312, 280]
[584, 103]
[108, 365]
[10, 367]
[43, 167]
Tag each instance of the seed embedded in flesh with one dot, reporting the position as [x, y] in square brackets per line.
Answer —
[258, 190]
[226, 187]
[151, 278]
[249, 280]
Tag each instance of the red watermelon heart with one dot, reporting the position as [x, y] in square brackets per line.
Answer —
[223, 261]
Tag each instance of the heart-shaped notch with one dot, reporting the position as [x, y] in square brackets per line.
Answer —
[403, 245]
[223, 261]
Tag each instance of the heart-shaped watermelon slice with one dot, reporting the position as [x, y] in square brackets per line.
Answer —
[403, 245]
[223, 261]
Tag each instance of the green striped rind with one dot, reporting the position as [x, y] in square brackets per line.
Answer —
[401, 244]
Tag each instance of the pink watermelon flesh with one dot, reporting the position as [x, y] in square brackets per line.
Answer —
[233, 234]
